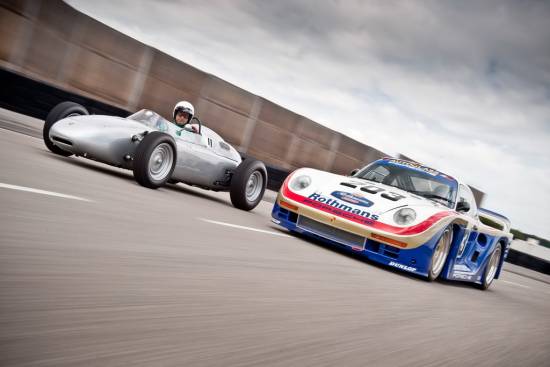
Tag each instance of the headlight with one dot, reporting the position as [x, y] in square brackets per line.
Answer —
[300, 182]
[404, 216]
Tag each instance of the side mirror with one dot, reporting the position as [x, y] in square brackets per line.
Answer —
[462, 206]
[354, 172]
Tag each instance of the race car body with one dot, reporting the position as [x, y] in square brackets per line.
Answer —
[158, 151]
[397, 213]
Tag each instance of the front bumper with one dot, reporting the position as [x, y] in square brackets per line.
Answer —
[414, 260]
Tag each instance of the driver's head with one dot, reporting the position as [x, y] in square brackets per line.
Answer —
[183, 112]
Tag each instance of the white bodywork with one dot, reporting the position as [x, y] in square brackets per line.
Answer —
[431, 215]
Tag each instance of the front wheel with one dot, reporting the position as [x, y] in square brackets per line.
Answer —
[155, 159]
[491, 268]
[439, 255]
[248, 184]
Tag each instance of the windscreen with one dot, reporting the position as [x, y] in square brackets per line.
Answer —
[413, 178]
[155, 121]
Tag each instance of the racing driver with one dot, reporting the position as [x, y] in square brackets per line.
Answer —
[183, 113]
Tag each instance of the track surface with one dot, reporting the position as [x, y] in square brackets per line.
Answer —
[139, 277]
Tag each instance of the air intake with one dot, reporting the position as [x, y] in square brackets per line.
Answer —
[332, 233]
[348, 184]
[61, 140]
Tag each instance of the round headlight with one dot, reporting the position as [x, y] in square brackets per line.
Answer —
[300, 182]
[404, 216]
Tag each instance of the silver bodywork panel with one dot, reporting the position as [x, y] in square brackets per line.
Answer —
[202, 159]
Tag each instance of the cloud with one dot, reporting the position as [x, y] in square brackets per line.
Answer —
[461, 86]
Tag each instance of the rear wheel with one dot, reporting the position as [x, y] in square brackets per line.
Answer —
[491, 268]
[439, 255]
[62, 110]
[248, 184]
[154, 160]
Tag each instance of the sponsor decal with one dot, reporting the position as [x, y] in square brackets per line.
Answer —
[462, 276]
[352, 198]
[401, 266]
[340, 208]
[413, 165]
[446, 176]
[461, 267]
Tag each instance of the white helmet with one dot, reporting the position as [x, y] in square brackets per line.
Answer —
[184, 106]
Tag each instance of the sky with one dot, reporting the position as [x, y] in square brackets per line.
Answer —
[461, 86]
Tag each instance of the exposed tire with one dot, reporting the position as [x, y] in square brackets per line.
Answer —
[62, 110]
[155, 159]
[439, 255]
[491, 268]
[248, 184]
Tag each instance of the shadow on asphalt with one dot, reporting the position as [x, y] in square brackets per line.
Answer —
[126, 175]
[180, 187]
[92, 165]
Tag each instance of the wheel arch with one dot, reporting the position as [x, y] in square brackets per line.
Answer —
[172, 141]
[458, 228]
[503, 243]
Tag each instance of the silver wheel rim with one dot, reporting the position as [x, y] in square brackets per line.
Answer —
[254, 186]
[440, 253]
[161, 161]
[492, 267]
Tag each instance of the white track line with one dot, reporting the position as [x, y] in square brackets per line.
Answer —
[519, 285]
[245, 228]
[43, 192]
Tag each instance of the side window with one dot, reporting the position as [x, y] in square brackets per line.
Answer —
[465, 194]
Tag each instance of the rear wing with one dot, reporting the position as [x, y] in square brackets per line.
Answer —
[495, 220]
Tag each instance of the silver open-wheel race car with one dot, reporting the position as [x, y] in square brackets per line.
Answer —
[157, 151]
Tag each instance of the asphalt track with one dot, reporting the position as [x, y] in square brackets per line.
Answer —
[96, 270]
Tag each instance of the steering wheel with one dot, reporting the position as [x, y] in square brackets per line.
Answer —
[198, 121]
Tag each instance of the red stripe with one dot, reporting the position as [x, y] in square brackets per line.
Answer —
[403, 231]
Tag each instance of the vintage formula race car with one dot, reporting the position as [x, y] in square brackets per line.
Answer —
[401, 214]
[157, 151]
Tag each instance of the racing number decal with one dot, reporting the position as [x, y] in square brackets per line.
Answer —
[392, 196]
[371, 189]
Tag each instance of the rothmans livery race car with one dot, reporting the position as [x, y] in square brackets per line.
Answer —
[398, 213]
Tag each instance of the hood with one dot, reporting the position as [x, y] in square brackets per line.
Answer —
[369, 199]
[103, 121]
[96, 128]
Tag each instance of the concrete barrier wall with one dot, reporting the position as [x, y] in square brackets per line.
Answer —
[517, 257]
[52, 43]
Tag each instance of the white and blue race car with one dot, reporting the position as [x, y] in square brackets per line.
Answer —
[401, 214]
